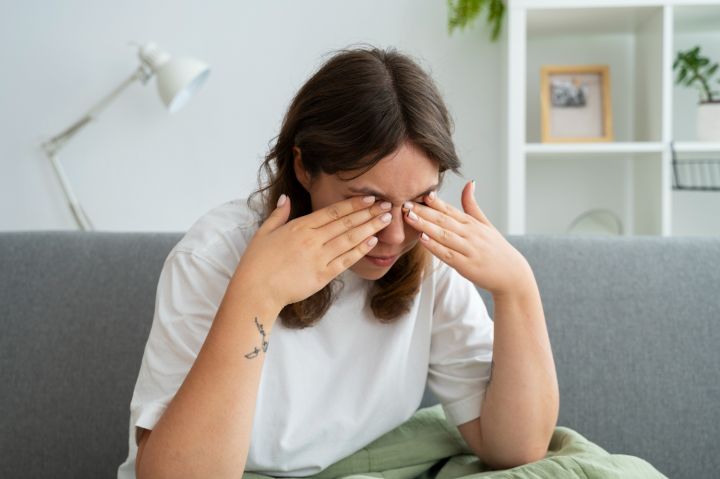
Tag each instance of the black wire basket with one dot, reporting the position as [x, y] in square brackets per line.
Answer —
[695, 175]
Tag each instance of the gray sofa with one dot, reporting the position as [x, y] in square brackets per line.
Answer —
[634, 325]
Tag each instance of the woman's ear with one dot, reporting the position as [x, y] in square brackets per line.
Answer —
[300, 173]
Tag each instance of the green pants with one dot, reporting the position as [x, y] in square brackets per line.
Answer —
[427, 447]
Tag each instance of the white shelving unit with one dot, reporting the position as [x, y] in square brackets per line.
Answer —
[550, 184]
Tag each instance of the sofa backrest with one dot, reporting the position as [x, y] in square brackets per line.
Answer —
[633, 323]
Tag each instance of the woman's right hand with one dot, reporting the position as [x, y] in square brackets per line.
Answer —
[293, 260]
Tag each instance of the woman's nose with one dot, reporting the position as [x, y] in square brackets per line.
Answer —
[394, 233]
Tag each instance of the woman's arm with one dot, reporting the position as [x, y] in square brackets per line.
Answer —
[522, 402]
[521, 405]
[205, 431]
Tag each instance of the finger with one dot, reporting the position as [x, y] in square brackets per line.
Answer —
[352, 237]
[441, 234]
[345, 260]
[470, 205]
[332, 212]
[433, 201]
[278, 217]
[348, 222]
[446, 255]
[439, 218]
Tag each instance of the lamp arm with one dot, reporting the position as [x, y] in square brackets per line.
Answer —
[55, 143]
[52, 146]
[81, 217]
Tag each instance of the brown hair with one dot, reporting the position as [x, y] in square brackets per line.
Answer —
[359, 107]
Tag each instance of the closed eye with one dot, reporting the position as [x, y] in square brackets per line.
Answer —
[380, 199]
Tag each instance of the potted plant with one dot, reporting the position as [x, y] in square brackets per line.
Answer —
[696, 69]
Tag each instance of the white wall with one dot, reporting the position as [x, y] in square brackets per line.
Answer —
[139, 168]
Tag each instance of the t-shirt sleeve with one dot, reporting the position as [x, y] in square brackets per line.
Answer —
[461, 346]
[189, 293]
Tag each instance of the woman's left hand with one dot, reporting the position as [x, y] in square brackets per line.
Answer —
[468, 242]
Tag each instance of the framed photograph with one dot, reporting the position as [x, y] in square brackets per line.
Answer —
[575, 103]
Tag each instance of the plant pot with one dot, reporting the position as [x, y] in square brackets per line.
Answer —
[708, 121]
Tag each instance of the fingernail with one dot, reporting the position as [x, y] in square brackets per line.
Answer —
[386, 218]
[412, 216]
[407, 205]
[281, 200]
[385, 205]
[473, 186]
[432, 196]
[369, 199]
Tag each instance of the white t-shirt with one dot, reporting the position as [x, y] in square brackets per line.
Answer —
[328, 390]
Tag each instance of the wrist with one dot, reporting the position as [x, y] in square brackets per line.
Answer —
[251, 292]
[523, 287]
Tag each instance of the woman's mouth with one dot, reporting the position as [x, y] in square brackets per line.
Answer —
[380, 260]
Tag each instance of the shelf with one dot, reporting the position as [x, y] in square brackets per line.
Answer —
[697, 147]
[626, 39]
[633, 175]
[693, 26]
[558, 191]
[594, 151]
[615, 148]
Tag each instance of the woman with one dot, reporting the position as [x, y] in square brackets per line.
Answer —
[373, 280]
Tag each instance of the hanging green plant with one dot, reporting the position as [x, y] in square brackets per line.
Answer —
[462, 12]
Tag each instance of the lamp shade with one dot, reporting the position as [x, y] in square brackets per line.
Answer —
[177, 78]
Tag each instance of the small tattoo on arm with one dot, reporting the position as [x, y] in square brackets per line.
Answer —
[256, 351]
[262, 332]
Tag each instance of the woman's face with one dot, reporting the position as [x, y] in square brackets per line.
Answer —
[405, 175]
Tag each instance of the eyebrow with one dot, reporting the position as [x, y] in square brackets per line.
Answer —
[370, 191]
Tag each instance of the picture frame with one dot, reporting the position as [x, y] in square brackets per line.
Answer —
[575, 103]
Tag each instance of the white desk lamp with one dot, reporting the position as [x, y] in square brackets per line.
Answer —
[177, 80]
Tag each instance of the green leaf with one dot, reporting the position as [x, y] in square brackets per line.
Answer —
[695, 69]
[462, 12]
[682, 75]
